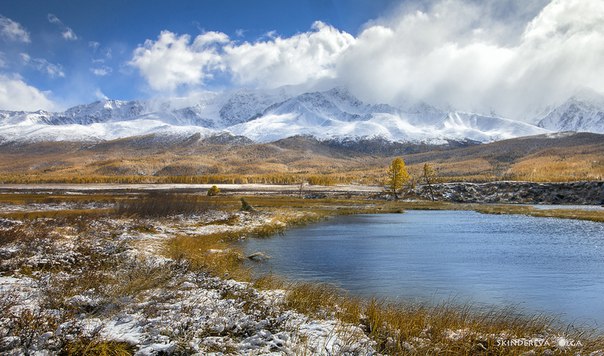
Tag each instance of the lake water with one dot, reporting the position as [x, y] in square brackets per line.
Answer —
[547, 265]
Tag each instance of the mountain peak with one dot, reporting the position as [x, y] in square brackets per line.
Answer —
[269, 115]
[582, 113]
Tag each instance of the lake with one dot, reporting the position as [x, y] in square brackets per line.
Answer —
[541, 265]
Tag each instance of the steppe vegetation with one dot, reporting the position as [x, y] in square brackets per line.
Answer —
[156, 272]
[298, 159]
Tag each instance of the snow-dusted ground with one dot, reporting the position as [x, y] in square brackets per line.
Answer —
[51, 206]
[64, 282]
[48, 299]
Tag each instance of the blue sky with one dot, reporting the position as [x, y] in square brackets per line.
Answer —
[107, 32]
[514, 58]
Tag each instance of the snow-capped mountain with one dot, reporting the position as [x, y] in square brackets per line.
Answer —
[269, 115]
[576, 114]
[484, 128]
[338, 114]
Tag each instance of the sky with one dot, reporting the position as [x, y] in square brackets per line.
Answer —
[507, 57]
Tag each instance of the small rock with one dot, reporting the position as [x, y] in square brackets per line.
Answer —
[258, 256]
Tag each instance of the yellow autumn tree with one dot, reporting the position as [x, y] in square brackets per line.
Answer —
[397, 177]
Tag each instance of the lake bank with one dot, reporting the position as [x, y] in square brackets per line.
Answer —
[509, 192]
[540, 265]
[180, 269]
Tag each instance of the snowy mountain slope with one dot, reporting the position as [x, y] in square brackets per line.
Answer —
[273, 127]
[94, 132]
[100, 111]
[269, 115]
[243, 106]
[112, 119]
[484, 128]
[576, 114]
[338, 114]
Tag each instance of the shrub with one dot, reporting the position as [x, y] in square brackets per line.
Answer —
[162, 204]
[213, 191]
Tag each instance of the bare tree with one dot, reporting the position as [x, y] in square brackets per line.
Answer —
[429, 178]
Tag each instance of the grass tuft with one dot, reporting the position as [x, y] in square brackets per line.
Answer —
[97, 347]
[212, 253]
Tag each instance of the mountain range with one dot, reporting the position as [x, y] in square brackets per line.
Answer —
[267, 116]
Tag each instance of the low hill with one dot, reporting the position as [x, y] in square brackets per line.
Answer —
[551, 157]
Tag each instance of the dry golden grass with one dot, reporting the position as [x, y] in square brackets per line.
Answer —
[97, 347]
[30, 198]
[559, 168]
[56, 214]
[269, 281]
[122, 161]
[445, 329]
[212, 253]
[449, 170]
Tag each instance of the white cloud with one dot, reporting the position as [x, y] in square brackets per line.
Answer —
[101, 71]
[302, 58]
[67, 33]
[456, 53]
[99, 95]
[173, 61]
[509, 56]
[13, 31]
[15, 94]
[54, 20]
[44, 66]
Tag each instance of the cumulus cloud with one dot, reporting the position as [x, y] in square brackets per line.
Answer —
[508, 56]
[42, 65]
[15, 94]
[13, 31]
[302, 58]
[67, 33]
[173, 60]
[456, 54]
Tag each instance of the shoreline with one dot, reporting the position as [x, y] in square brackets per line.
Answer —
[185, 269]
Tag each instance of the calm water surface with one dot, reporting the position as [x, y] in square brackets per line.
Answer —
[545, 265]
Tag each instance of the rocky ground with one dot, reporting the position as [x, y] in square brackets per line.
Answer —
[591, 193]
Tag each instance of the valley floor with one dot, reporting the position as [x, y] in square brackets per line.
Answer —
[106, 273]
